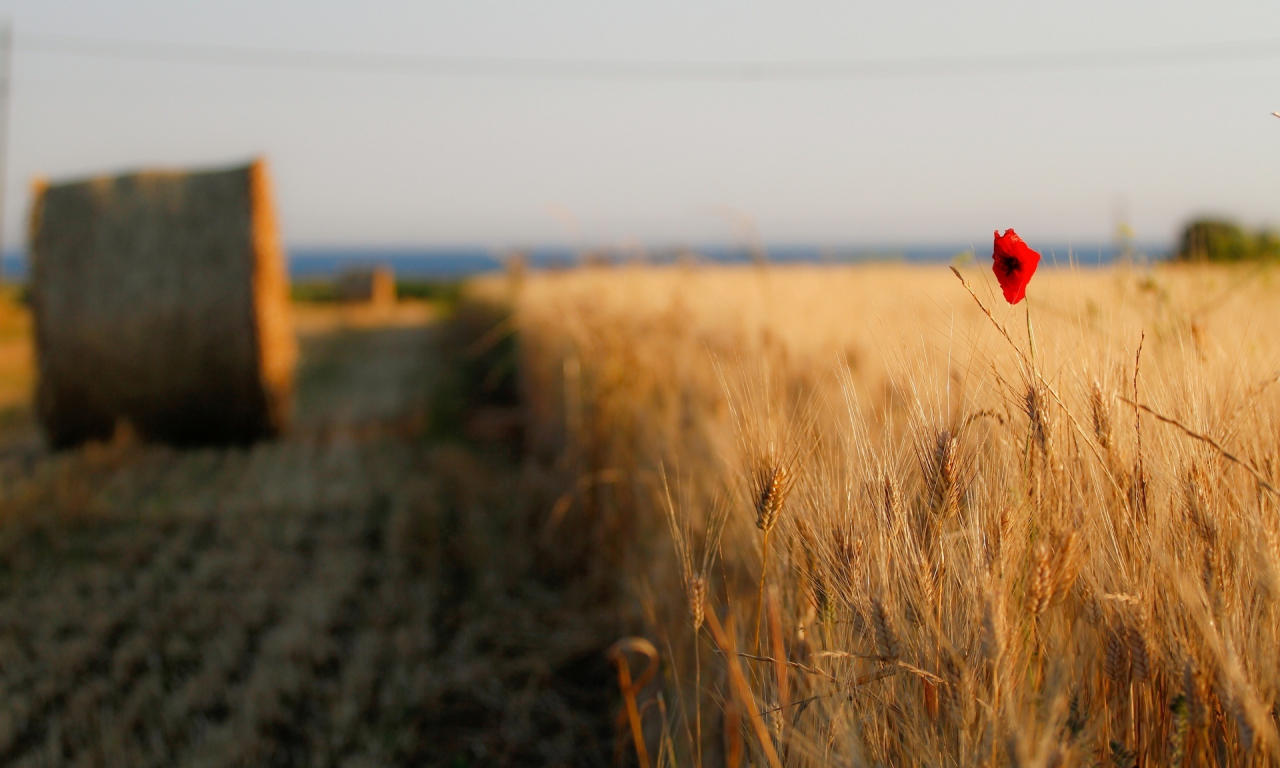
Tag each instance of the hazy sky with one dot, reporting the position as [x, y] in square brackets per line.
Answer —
[393, 158]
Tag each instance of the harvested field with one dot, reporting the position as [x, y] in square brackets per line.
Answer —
[348, 595]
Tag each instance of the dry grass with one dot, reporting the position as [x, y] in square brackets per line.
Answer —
[978, 552]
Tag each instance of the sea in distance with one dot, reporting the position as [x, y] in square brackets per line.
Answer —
[307, 263]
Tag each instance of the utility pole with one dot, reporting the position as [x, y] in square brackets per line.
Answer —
[6, 67]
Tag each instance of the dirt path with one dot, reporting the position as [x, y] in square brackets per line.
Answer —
[350, 595]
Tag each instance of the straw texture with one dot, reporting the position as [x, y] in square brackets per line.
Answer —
[161, 299]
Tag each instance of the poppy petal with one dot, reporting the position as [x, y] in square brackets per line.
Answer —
[1013, 263]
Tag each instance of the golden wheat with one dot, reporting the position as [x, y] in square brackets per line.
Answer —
[983, 552]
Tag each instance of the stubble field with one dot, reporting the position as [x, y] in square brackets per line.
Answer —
[347, 595]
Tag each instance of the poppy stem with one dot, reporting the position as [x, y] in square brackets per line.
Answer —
[1031, 337]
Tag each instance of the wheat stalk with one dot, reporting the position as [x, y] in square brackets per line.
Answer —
[887, 646]
[1228, 455]
[773, 484]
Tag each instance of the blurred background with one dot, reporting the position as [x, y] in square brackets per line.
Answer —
[373, 567]
[816, 128]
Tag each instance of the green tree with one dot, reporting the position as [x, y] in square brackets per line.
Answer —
[1223, 240]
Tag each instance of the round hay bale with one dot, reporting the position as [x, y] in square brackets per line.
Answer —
[161, 299]
[376, 286]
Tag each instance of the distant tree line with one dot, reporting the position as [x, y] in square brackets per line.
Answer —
[1223, 240]
[324, 290]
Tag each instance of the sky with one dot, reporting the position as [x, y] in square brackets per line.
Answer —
[381, 157]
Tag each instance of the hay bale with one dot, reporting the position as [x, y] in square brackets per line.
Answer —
[161, 298]
[375, 286]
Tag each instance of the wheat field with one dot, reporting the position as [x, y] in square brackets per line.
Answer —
[836, 515]
[866, 517]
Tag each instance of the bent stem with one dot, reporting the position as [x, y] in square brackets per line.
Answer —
[1214, 444]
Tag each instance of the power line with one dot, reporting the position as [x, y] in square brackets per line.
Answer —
[654, 70]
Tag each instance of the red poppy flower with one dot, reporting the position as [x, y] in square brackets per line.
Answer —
[1014, 265]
